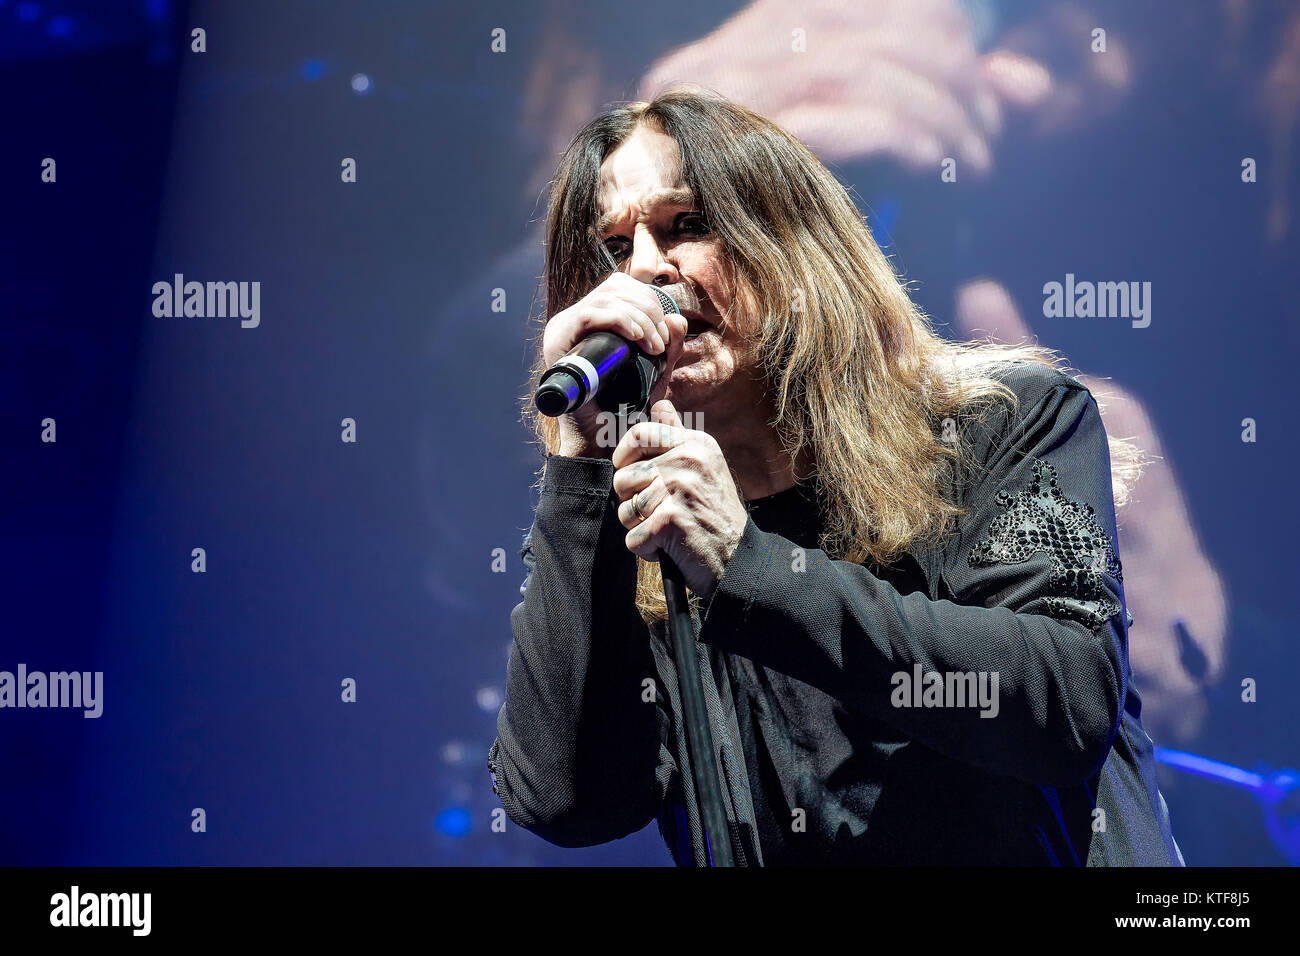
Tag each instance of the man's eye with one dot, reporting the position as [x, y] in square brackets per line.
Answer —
[693, 223]
[618, 247]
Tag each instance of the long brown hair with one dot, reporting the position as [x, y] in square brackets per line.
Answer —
[857, 374]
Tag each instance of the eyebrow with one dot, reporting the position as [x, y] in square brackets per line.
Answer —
[676, 196]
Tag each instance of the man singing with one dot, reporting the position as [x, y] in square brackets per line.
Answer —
[900, 550]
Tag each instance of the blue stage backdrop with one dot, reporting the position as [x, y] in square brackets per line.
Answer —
[283, 542]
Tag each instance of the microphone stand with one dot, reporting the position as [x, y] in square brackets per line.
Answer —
[629, 376]
[699, 738]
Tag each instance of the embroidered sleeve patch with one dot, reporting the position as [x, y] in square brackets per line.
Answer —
[1040, 519]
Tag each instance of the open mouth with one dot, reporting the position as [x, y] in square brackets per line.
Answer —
[695, 326]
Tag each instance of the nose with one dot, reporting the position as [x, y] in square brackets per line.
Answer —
[647, 262]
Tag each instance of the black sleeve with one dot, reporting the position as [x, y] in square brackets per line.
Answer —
[580, 756]
[1036, 598]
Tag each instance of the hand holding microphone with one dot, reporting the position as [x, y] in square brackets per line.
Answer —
[578, 357]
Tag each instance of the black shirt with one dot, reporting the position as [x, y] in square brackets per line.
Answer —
[793, 740]
[823, 758]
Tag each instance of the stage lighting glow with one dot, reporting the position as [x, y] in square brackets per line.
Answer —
[361, 84]
[313, 70]
[454, 821]
[453, 752]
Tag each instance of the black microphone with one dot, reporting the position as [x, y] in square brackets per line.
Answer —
[606, 366]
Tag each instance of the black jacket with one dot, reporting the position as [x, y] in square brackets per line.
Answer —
[830, 748]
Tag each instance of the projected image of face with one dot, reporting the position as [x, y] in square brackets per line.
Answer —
[656, 233]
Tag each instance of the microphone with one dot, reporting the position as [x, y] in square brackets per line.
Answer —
[603, 366]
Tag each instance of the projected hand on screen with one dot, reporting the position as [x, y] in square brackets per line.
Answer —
[862, 77]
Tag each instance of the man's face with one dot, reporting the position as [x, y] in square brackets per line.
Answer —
[653, 228]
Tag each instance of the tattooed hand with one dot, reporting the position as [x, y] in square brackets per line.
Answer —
[678, 495]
